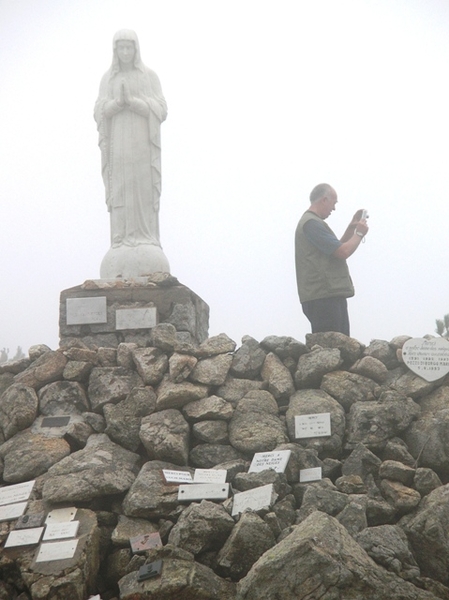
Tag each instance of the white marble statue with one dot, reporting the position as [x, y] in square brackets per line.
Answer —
[129, 111]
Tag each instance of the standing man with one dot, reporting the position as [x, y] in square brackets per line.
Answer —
[322, 274]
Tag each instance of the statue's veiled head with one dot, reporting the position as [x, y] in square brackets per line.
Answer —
[125, 35]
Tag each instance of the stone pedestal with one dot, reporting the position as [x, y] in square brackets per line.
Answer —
[106, 312]
[129, 262]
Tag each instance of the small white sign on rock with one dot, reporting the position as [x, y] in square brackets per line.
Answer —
[59, 531]
[256, 499]
[270, 460]
[135, 318]
[12, 511]
[203, 491]
[314, 474]
[209, 476]
[56, 551]
[85, 311]
[176, 476]
[16, 493]
[427, 358]
[24, 537]
[310, 426]
[61, 515]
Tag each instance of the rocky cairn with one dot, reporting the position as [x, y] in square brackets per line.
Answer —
[375, 526]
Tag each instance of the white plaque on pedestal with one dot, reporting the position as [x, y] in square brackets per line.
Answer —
[176, 476]
[311, 426]
[12, 511]
[59, 531]
[427, 358]
[255, 499]
[85, 311]
[209, 476]
[16, 493]
[314, 474]
[135, 318]
[24, 537]
[56, 551]
[270, 460]
[61, 515]
[203, 491]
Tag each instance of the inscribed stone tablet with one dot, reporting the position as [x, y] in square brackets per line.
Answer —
[270, 460]
[176, 476]
[30, 521]
[59, 531]
[203, 491]
[140, 543]
[255, 499]
[16, 493]
[12, 511]
[427, 358]
[135, 318]
[310, 426]
[209, 476]
[62, 421]
[310, 474]
[61, 515]
[24, 537]
[84, 311]
[56, 551]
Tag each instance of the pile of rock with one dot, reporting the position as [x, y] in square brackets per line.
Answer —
[375, 526]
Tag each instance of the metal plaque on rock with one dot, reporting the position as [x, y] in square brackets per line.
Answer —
[12, 511]
[176, 476]
[59, 531]
[203, 491]
[24, 537]
[209, 476]
[135, 318]
[427, 358]
[86, 311]
[310, 426]
[255, 499]
[61, 421]
[314, 474]
[270, 460]
[56, 551]
[140, 543]
[30, 521]
[61, 515]
[16, 493]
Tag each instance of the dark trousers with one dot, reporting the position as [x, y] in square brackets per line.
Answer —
[327, 314]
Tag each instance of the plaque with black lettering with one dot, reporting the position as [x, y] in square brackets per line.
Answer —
[55, 421]
[144, 542]
[150, 570]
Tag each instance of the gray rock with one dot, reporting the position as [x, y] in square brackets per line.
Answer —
[28, 455]
[45, 369]
[38, 350]
[62, 398]
[249, 481]
[353, 516]
[151, 364]
[300, 458]
[128, 528]
[202, 527]
[18, 409]
[212, 370]
[403, 498]
[248, 360]
[350, 484]
[125, 355]
[388, 546]
[163, 336]
[102, 468]
[211, 432]
[428, 441]
[284, 346]
[411, 385]
[210, 408]
[206, 456]
[218, 344]
[176, 395]
[150, 497]
[327, 500]
[180, 366]
[124, 418]
[349, 388]
[6, 379]
[77, 370]
[371, 367]
[110, 384]
[165, 436]
[350, 348]
[384, 351]
[426, 480]
[107, 357]
[235, 389]
[280, 381]
[392, 469]
[305, 402]
[313, 366]
[250, 538]
[396, 449]
[320, 559]
[362, 462]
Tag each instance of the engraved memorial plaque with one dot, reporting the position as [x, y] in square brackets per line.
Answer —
[176, 476]
[203, 491]
[56, 551]
[427, 358]
[314, 474]
[59, 531]
[61, 421]
[135, 318]
[16, 493]
[12, 511]
[255, 499]
[30, 521]
[209, 476]
[270, 460]
[140, 543]
[61, 515]
[311, 426]
[24, 537]
[86, 311]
